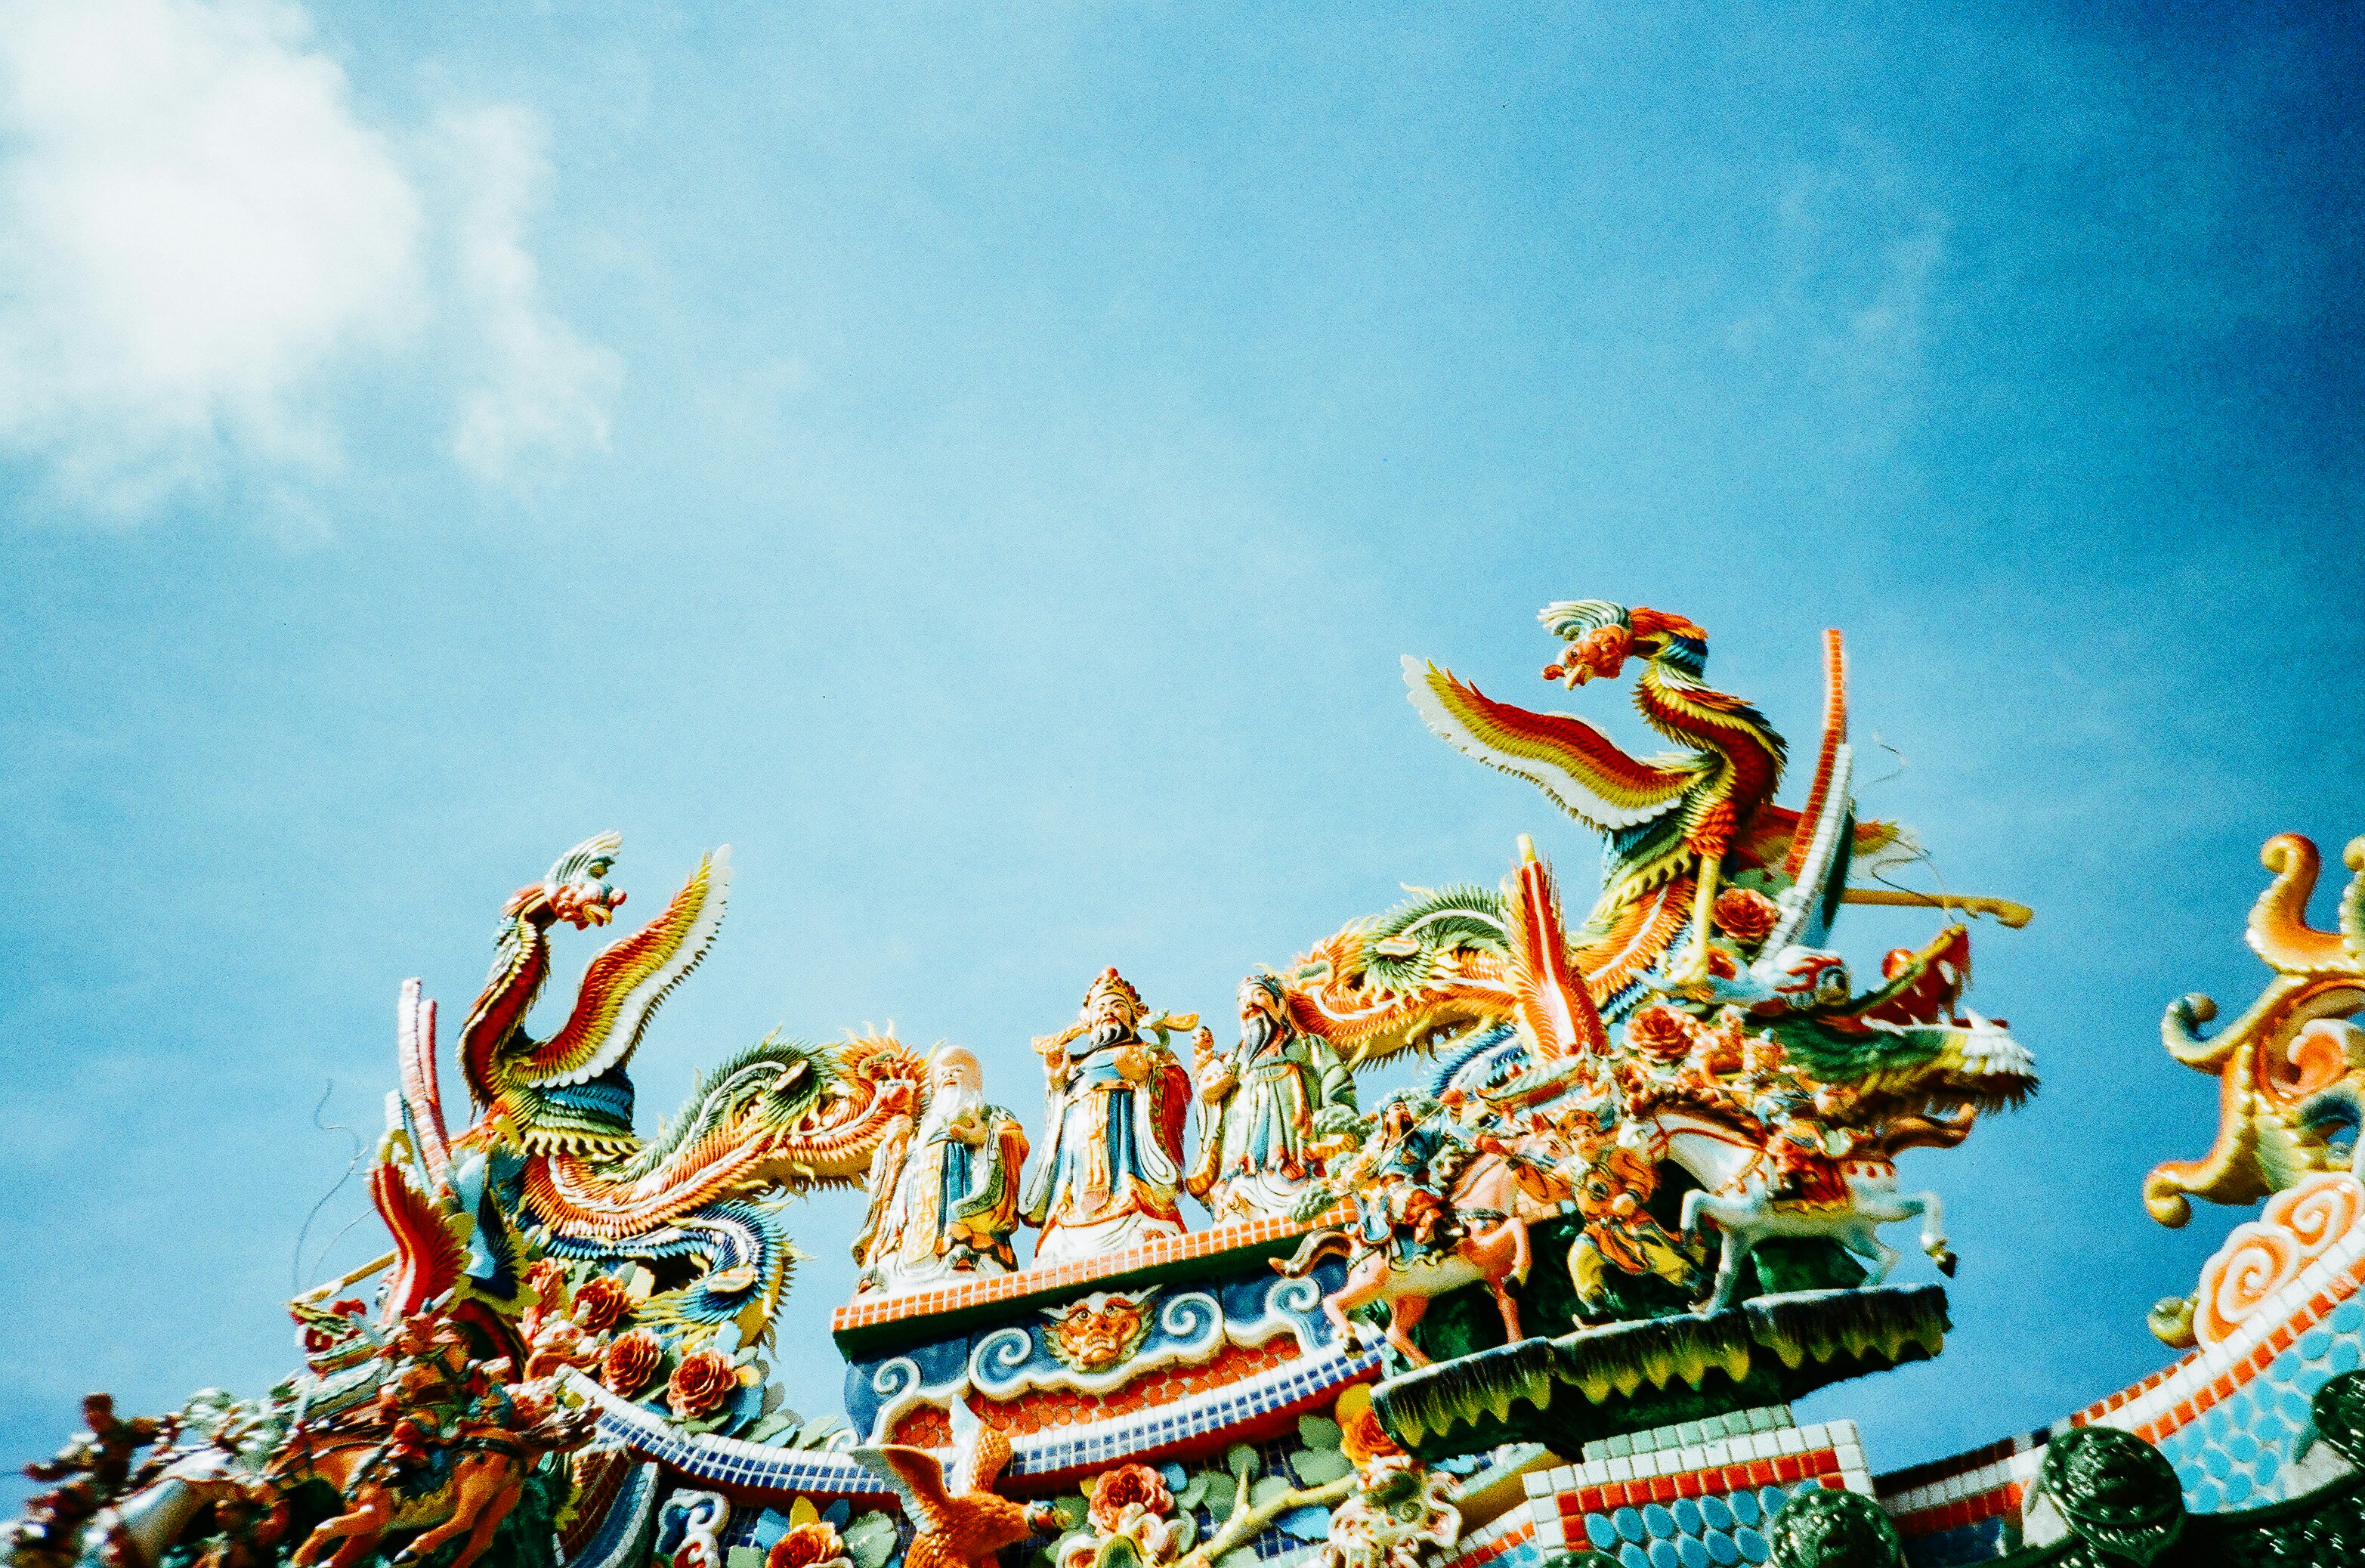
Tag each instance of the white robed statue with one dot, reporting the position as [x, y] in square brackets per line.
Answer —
[1259, 1104]
[944, 1186]
[1114, 1101]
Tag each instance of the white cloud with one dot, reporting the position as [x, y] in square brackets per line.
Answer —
[199, 232]
[539, 384]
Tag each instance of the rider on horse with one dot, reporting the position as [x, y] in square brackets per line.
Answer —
[1400, 1202]
[420, 1401]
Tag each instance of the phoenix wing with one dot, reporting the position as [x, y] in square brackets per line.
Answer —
[430, 1241]
[918, 1477]
[980, 1449]
[625, 984]
[1580, 767]
[1548, 991]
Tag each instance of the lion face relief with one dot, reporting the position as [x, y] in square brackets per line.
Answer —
[1099, 1332]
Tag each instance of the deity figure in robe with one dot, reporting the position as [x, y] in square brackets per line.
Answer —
[1114, 1101]
[944, 1186]
[1259, 1104]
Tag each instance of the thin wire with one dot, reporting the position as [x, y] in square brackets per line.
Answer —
[296, 1259]
[1901, 763]
[317, 1263]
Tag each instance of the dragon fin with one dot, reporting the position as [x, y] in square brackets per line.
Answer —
[1548, 991]
[414, 1029]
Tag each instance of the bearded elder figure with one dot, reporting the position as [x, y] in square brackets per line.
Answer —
[1115, 1103]
[944, 1189]
[1258, 1105]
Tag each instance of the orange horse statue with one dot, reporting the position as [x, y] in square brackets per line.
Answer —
[1506, 1185]
[490, 1454]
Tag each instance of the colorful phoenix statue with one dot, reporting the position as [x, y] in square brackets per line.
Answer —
[1686, 836]
[1697, 1017]
[697, 1207]
[1679, 826]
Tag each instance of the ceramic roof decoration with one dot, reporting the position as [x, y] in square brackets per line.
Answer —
[1548, 1307]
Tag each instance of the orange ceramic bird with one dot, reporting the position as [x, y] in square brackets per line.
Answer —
[960, 1521]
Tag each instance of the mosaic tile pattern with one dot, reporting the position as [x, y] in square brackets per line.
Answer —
[1300, 1384]
[1686, 1499]
[1690, 1533]
[1967, 1509]
[2238, 1453]
[1829, 1451]
[2229, 1418]
[1693, 1434]
[1026, 1286]
[627, 1526]
[2309, 1330]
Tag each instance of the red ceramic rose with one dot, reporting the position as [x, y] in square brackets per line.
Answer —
[1360, 1436]
[1744, 914]
[699, 1385]
[1128, 1486]
[599, 1304]
[1661, 1032]
[548, 1278]
[813, 1545]
[632, 1362]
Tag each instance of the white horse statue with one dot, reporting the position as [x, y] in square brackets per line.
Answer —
[1736, 1174]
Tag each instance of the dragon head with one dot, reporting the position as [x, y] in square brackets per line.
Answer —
[576, 890]
[1602, 636]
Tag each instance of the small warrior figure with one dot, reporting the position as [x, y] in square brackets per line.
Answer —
[1114, 1101]
[104, 1452]
[1261, 1101]
[1619, 1231]
[417, 1403]
[94, 1471]
[943, 1190]
[1806, 1170]
[1400, 1179]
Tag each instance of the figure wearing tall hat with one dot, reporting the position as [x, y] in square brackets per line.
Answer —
[1115, 1103]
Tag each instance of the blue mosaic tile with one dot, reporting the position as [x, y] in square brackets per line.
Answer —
[1707, 1532]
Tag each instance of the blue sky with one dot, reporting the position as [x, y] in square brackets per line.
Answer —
[986, 467]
